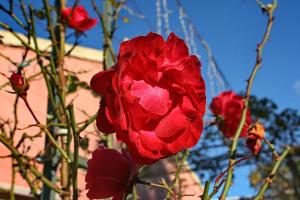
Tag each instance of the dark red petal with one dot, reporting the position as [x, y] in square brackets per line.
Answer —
[103, 123]
[171, 126]
[151, 44]
[66, 12]
[190, 137]
[108, 173]
[141, 67]
[150, 141]
[109, 163]
[175, 48]
[101, 81]
[87, 24]
[105, 187]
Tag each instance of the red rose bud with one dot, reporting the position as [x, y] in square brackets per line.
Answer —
[110, 174]
[228, 107]
[78, 19]
[255, 134]
[153, 98]
[19, 83]
[254, 145]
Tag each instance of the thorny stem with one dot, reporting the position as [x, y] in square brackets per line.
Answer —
[30, 109]
[52, 140]
[177, 173]
[271, 146]
[25, 165]
[87, 123]
[216, 189]
[268, 180]
[269, 9]
[76, 151]
[169, 190]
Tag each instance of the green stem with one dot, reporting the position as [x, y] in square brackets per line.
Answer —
[87, 123]
[24, 163]
[270, 12]
[268, 180]
[76, 151]
[54, 142]
[169, 190]
[205, 195]
[177, 173]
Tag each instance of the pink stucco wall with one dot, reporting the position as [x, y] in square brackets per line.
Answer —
[37, 97]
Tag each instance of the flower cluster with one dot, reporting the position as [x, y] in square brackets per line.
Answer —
[227, 107]
[153, 98]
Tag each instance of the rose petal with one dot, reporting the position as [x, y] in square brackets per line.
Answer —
[87, 24]
[171, 126]
[155, 100]
[103, 123]
[101, 81]
[105, 187]
[151, 44]
[175, 48]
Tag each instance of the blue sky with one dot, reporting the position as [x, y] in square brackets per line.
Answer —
[232, 28]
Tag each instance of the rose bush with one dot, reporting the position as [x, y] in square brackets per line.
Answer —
[227, 107]
[78, 19]
[110, 174]
[153, 98]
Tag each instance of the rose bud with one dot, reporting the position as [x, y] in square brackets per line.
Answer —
[78, 19]
[19, 84]
[110, 174]
[227, 107]
[255, 134]
[254, 145]
[153, 97]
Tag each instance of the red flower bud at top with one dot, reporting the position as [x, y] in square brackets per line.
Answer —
[110, 174]
[19, 83]
[78, 19]
[228, 106]
[153, 98]
[255, 134]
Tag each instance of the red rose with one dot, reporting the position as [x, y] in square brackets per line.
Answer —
[153, 98]
[19, 84]
[110, 174]
[228, 108]
[78, 19]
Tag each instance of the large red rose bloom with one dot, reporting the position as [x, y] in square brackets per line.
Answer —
[153, 98]
[110, 174]
[78, 19]
[228, 107]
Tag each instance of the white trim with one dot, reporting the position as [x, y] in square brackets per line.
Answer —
[21, 190]
[85, 53]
